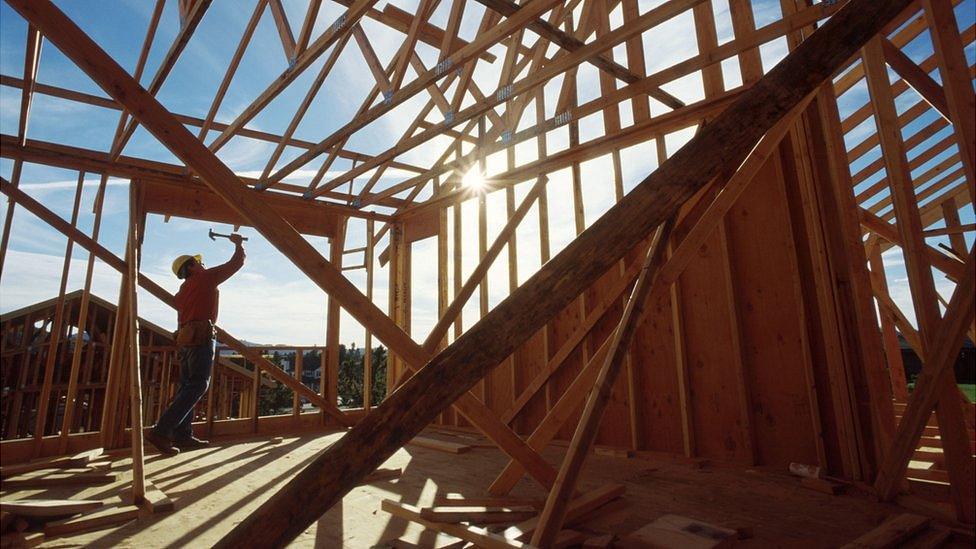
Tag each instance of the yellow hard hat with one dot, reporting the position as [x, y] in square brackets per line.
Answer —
[179, 261]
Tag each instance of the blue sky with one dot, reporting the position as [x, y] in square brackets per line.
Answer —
[271, 301]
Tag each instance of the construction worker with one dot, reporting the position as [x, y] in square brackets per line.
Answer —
[196, 309]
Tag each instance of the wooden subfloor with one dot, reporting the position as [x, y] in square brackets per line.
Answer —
[216, 487]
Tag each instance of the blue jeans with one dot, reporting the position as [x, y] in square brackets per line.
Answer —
[196, 365]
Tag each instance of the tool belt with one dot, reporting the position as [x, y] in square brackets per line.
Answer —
[195, 332]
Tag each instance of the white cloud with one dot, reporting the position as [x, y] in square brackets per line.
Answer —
[29, 278]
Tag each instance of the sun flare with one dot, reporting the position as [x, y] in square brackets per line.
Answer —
[474, 179]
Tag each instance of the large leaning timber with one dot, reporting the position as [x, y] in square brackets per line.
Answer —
[733, 305]
[461, 365]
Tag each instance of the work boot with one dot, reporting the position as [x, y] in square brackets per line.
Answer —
[190, 442]
[163, 444]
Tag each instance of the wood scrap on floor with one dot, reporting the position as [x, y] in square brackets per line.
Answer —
[822, 485]
[19, 540]
[81, 459]
[488, 501]
[578, 507]
[605, 541]
[473, 534]
[938, 510]
[60, 477]
[478, 514]
[612, 451]
[404, 544]
[440, 445]
[48, 507]
[678, 532]
[932, 537]
[568, 538]
[100, 519]
[891, 532]
[155, 500]
[383, 474]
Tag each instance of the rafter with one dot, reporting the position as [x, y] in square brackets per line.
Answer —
[284, 29]
[537, 78]
[460, 58]
[32, 59]
[188, 26]
[661, 77]
[337, 30]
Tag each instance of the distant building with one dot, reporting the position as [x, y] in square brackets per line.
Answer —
[965, 367]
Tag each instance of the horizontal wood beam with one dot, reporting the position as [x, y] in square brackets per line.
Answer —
[196, 201]
[74, 158]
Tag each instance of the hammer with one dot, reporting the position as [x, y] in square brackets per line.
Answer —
[213, 235]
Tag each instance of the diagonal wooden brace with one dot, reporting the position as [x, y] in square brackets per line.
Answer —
[71, 40]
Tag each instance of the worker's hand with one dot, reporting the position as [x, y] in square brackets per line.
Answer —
[236, 239]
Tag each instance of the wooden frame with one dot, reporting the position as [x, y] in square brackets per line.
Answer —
[520, 382]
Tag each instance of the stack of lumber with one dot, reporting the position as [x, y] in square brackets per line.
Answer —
[28, 522]
[20, 516]
[58, 471]
[499, 522]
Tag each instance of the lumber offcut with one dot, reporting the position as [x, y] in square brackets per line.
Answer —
[92, 521]
[891, 532]
[48, 507]
[440, 445]
[78, 460]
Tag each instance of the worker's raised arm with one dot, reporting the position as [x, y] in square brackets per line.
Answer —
[234, 264]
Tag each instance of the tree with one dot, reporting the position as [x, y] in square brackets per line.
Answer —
[352, 373]
[350, 377]
[379, 375]
[311, 363]
[276, 399]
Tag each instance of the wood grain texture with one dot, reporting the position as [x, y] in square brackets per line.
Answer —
[725, 141]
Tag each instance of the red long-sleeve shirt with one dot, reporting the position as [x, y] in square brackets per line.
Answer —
[198, 295]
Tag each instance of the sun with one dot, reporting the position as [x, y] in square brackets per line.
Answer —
[474, 179]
